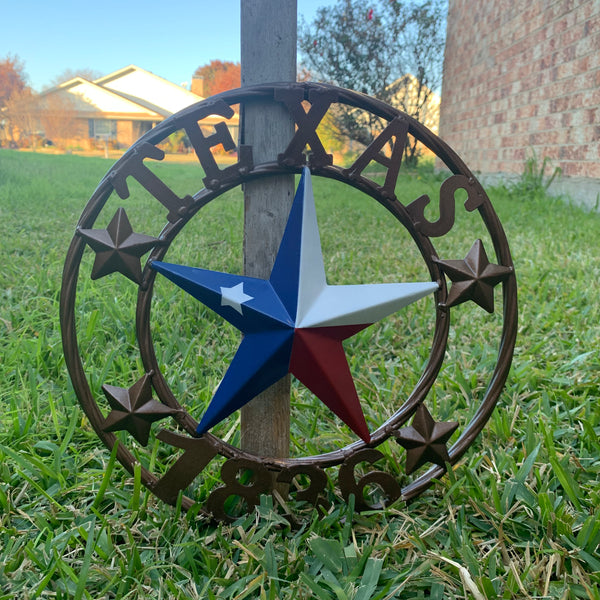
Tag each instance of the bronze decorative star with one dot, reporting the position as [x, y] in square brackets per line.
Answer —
[425, 441]
[118, 248]
[473, 278]
[134, 409]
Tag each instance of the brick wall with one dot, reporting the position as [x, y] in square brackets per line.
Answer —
[522, 75]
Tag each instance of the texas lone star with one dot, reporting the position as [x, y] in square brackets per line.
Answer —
[294, 322]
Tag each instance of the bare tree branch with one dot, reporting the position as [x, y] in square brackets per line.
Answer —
[388, 49]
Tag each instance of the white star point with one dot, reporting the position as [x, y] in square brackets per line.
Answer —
[323, 305]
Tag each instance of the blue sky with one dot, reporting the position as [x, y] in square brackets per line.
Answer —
[169, 38]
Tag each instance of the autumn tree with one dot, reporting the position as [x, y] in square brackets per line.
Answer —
[389, 49]
[18, 103]
[219, 76]
[21, 117]
[57, 118]
[12, 78]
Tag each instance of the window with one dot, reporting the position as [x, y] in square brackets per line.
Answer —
[105, 129]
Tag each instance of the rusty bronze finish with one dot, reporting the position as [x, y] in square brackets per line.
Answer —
[216, 177]
[384, 481]
[425, 440]
[473, 278]
[445, 223]
[314, 492]
[395, 133]
[133, 166]
[119, 250]
[261, 483]
[134, 410]
[307, 123]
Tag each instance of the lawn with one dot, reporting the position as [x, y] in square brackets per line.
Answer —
[517, 517]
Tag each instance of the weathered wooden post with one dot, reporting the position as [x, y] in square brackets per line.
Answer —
[268, 49]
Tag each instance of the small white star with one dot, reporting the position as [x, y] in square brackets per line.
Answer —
[234, 297]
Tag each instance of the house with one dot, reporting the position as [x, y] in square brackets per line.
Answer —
[407, 94]
[118, 108]
[420, 102]
[417, 100]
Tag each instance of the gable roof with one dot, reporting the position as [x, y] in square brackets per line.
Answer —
[148, 89]
[87, 97]
[129, 91]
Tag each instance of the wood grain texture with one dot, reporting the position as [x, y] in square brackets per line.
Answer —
[268, 48]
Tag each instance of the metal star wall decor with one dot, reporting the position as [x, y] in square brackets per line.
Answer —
[118, 248]
[425, 440]
[294, 321]
[134, 410]
[474, 278]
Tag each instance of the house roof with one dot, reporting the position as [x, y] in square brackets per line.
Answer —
[148, 89]
[87, 97]
[130, 91]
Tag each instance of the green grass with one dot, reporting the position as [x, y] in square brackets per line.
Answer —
[518, 517]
